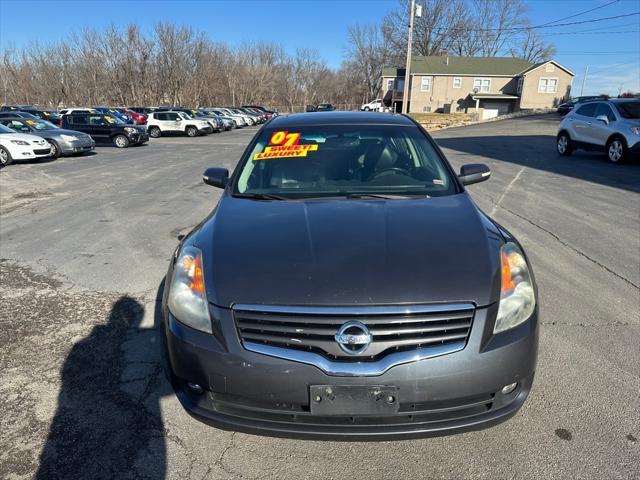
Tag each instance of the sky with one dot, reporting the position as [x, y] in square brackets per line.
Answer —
[610, 49]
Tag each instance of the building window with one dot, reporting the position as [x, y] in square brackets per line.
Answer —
[548, 85]
[482, 84]
[425, 84]
[520, 82]
[426, 109]
[457, 82]
[390, 84]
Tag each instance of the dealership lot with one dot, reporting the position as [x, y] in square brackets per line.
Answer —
[85, 243]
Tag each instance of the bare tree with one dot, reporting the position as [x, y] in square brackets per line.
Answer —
[368, 52]
[533, 47]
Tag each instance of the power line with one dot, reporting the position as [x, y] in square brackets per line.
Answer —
[578, 14]
[524, 29]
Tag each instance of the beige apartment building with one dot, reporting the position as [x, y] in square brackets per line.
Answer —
[489, 85]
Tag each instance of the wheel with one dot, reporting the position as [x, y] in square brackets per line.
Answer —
[55, 149]
[616, 150]
[5, 157]
[563, 144]
[154, 132]
[366, 109]
[121, 141]
[192, 131]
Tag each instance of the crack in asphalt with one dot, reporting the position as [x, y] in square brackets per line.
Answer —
[571, 247]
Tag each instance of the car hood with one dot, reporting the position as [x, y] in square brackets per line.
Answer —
[62, 131]
[345, 252]
[22, 136]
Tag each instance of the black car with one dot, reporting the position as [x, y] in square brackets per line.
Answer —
[566, 107]
[347, 286]
[105, 128]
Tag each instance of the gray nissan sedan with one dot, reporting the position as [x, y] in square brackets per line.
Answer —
[347, 287]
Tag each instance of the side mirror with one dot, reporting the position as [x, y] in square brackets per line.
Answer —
[603, 118]
[216, 177]
[474, 173]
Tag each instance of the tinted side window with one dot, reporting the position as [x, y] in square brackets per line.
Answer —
[604, 109]
[587, 110]
[173, 116]
[161, 116]
[79, 119]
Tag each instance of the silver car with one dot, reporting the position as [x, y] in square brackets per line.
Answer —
[611, 125]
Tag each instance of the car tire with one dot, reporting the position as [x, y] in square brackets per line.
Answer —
[563, 144]
[5, 157]
[366, 109]
[55, 149]
[155, 132]
[192, 131]
[121, 141]
[616, 150]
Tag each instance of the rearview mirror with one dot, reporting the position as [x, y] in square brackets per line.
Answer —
[216, 177]
[603, 118]
[474, 173]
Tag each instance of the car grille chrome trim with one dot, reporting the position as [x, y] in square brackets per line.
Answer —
[380, 337]
[355, 369]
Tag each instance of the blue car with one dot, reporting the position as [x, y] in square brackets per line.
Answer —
[115, 113]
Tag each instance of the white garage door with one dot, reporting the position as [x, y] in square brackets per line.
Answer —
[501, 107]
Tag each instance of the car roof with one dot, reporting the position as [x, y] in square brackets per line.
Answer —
[340, 118]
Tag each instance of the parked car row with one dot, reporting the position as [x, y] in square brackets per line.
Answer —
[26, 134]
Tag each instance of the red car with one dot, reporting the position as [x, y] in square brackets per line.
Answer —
[138, 118]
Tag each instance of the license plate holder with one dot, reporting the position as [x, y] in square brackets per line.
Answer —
[351, 400]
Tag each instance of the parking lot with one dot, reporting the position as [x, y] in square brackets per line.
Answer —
[84, 246]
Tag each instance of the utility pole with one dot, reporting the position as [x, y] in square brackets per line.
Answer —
[407, 71]
[584, 79]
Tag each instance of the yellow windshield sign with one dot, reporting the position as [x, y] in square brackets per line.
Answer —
[284, 144]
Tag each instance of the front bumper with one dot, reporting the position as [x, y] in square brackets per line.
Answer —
[256, 393]
[77, 146]
[141, 137]
[30, 152]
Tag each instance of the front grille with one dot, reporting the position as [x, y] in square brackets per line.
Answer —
[392, 329]
[41, 151]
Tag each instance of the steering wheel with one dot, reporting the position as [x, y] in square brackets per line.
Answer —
[393, 169]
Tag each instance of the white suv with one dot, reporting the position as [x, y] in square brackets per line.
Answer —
[160, 123]
[374, 106]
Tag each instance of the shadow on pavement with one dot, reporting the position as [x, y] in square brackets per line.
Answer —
[108, 423]
[539, 152]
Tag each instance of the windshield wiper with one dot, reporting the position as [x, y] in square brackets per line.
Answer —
[381, 195]
[259, 196]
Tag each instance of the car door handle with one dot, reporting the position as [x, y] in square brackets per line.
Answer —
[588, 123]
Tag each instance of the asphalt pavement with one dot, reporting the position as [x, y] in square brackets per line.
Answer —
[84, 246]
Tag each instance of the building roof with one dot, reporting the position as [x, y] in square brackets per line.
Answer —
[442, 65]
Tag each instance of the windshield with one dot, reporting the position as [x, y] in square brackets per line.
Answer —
[113, 120]
[339, 160]
[40, 124]
[629, 109]
[4, 129]
[186, 116]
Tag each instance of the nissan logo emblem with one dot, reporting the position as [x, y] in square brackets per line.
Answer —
[353, 338]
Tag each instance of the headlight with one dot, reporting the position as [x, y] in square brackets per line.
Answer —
[69, 138]
[635, 130]
[19, 142]
[130, 130]
[517, 297]
[187, 297]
